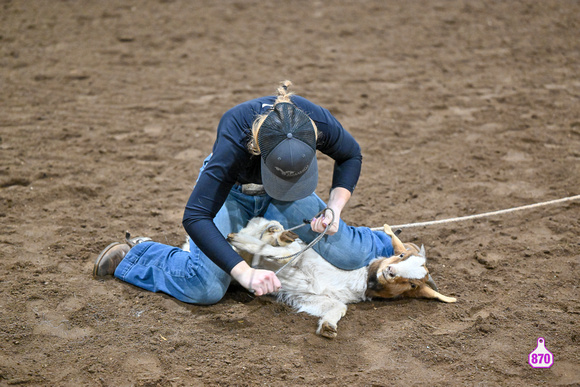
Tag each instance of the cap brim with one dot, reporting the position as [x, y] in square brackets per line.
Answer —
[292, 189]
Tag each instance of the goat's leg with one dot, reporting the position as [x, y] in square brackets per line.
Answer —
[255, 246]
[245, 242]
[398, 246]
[330, 312]
[279, 251]
[328, 324]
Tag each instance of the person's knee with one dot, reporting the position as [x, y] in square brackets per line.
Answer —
[347, 251]
[214, 294]
[203, 296]
[211, 292]
[341, 258]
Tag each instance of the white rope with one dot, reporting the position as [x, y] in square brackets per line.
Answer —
[570, 198]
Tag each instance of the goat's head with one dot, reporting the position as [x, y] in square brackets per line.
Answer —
[403, 275]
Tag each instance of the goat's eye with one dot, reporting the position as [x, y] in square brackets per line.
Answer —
[402, 255]
[413, 286]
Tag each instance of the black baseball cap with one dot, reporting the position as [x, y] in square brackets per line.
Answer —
[287, 141]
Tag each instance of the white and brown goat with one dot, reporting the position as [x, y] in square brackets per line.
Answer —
[312, 285]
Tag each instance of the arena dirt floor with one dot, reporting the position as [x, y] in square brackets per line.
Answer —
[107, 109]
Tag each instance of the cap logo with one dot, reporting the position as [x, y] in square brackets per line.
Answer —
[291, 173]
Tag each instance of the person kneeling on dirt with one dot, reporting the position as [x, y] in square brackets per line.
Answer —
[263, 163]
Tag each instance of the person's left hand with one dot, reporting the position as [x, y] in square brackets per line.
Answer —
[319, 224]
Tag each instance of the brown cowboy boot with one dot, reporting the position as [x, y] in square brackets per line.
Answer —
[112, 255]
[109, 259]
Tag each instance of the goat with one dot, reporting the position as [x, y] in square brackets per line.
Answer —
[312, 285]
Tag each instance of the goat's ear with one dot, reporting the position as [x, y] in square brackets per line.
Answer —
[422, 251]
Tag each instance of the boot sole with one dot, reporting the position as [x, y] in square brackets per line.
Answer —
[100, 257]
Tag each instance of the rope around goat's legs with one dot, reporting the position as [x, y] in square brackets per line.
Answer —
[486, 214]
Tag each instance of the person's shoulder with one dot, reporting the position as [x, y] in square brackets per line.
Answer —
[318, 113]
[252, 107]
[308, 106]
[236, 123]
[304, 103]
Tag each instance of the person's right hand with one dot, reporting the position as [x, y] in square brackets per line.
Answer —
[319, 224]
[258, 281]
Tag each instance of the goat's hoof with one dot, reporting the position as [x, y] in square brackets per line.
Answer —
[387, 229]
[327, 330]
[230, 237]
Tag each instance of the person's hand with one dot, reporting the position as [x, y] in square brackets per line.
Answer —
[319, 224]
[258, 281]
[338, 198]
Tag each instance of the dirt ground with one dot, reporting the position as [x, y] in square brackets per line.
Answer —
[107, 109]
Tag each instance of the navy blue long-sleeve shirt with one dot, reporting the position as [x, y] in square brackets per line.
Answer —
[232, 163]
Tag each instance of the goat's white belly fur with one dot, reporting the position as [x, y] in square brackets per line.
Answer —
[310, 278]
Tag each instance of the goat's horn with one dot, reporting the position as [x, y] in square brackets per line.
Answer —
[430, 293]
[432, 284]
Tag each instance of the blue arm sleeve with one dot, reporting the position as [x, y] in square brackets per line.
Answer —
[198, 222]
[210, 193]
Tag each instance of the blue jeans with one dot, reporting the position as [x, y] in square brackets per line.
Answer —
[193, 278]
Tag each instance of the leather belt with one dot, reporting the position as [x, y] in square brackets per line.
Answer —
[252, 189]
